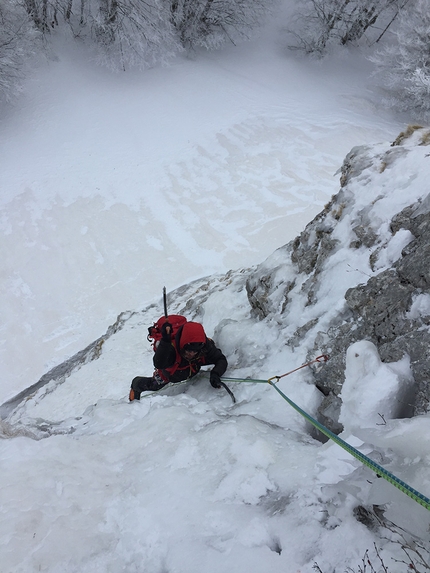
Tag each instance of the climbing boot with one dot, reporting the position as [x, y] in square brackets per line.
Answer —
[147, 384]
[134, 395]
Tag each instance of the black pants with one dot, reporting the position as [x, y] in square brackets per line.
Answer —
[145, 384]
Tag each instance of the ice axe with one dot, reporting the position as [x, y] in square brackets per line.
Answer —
[165, 308]
[224, 385]
[165, 302]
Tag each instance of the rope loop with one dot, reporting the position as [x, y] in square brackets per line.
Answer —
[319, 359]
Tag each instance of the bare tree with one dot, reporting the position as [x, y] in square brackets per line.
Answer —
[133, 33]
[145, 32]
[18, 42]
[43, 13]
[403, 67]
[321, 23]
[211, 23]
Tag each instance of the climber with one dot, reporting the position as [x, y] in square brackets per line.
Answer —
[179, 356]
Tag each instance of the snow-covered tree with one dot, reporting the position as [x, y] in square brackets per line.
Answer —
[145, 32]
[321, 23]
[126, 32]
[18, 42]
[403, 68]
[211, 23]
[43, 13]
[133, 32]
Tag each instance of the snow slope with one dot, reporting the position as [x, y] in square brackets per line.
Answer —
[189, 482]
[115, 185]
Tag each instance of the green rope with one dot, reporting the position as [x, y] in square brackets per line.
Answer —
[244, 380]
[404, 487]
[380, 471]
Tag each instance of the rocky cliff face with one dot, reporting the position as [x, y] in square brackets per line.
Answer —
[370, 246]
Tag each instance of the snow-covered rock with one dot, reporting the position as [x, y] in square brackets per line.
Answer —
[373, 392]
[359, 270]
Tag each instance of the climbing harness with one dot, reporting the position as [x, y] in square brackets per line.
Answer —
[380, 471]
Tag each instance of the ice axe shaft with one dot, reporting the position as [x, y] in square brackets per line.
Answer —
[165, 302]
[229, 391]
[168, 329]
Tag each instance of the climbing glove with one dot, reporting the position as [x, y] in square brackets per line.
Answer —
[166, 331]
[215, 380]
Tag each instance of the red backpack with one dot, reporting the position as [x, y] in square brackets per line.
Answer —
[154, 331]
